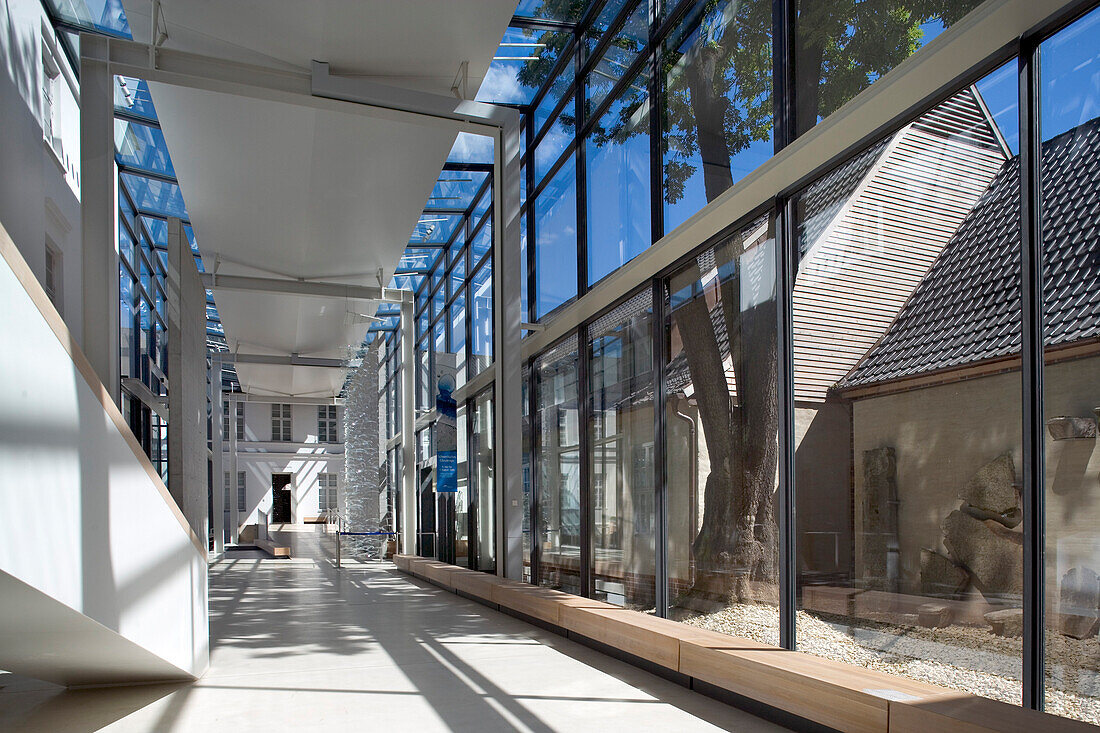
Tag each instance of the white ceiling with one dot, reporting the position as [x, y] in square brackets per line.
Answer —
[285, 190]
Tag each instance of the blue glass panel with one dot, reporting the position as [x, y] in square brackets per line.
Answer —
[141, 146]
[156, 196]
[618, 171]
[556, 241]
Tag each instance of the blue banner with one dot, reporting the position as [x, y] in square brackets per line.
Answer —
[446, 439]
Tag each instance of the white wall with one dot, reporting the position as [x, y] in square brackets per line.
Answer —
[258, 469]
[83, 522]
[39, 188]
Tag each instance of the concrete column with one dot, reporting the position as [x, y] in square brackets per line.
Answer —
[186, 310]
[408, 431]
[234, 514]
[507, 271]
[98, 196]
[217, 442]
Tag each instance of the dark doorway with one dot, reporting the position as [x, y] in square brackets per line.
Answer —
[280, 498]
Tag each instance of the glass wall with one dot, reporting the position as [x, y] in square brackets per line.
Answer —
[908, 416]
[556, 428]
[620, 448]
[483, 481]
[1069, 156]
[722, 427]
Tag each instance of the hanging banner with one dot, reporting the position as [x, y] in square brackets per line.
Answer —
[446, 438]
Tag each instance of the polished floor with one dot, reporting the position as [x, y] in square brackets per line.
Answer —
[299, 645]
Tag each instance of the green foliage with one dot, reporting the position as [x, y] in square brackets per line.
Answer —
[717, 68]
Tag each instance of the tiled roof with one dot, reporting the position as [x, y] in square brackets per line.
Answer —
[967, 309]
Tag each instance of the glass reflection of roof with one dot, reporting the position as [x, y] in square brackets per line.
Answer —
[105, 16]
[455, 189]
[501, 83]
[159, 197]
[406, 282]
[471, 148]
[418, 258]
[132, 97]
[434, 228]
[551, 10]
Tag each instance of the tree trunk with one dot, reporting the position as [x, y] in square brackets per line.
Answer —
[736, 543]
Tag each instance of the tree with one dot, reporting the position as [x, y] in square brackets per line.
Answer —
[717, 101]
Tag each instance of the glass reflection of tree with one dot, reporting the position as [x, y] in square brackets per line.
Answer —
[718, 101]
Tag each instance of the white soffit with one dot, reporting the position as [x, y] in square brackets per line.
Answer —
[282, 190]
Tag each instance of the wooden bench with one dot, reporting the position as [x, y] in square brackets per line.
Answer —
[271, 548]
[829, 693]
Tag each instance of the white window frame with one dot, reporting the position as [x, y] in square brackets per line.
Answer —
[282, 424]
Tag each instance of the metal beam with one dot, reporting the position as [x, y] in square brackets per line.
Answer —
[308, 288]
[285, 360]
[408, 433]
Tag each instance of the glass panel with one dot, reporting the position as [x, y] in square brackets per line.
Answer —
[558, 137]
[156, 196]
[525, 390]
[621, 435]
[717, 103]
[556, 242]
[552, 9]
[481, 318]
[617, 169]
[557, 432]
[625, 47]
[511, 78]
[457, 325]
[462, 497]
[842, 47]
[559, 87]
[1070, 134]
[141, 146]
[720, 382]
[482, 467]
[907, 400]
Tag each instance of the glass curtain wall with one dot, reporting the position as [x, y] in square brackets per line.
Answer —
[483, 506]
[556, 429]
[722, 426]
[1069, 170]
[645, 111]
[448, 264]
[621, 451]
[908, 417]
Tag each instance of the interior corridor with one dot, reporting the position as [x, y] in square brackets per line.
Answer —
[300, 645]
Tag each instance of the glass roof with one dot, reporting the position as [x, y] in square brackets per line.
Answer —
[105, 16]
[564, 10]
[132, 96]
[456, 189]
[159, 197]
[141, 146]
[502, 83]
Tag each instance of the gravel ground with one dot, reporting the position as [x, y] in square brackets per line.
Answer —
[960, 657]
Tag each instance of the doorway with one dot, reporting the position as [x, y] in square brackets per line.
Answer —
[280, 498]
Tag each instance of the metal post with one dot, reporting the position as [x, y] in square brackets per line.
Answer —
[98, 182]
[234, 516]
[218, 479]
[408, 431]
[338, 550]
[785, 247]
[660, 426]
[1031, 307]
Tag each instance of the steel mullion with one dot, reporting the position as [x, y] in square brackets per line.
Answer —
[1031, 307]
[529, 212]
[534, 464]
[584, 461]
[660, 433]
[580, 172]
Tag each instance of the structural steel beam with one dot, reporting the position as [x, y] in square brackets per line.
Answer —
[285, 360]
[308, 288]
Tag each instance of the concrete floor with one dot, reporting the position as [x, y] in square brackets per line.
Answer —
[298, 645]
